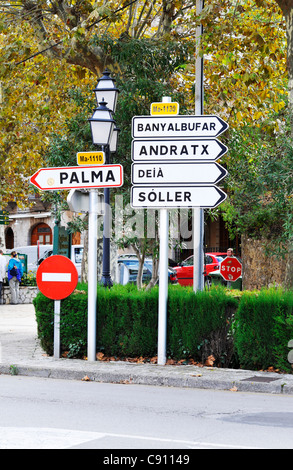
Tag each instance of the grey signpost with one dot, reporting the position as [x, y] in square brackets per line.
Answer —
[78, 178]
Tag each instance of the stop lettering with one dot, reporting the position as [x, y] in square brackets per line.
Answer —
[231, 269]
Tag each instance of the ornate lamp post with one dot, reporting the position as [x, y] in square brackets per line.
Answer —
[105, 133]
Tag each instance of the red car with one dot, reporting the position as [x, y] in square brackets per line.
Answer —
[185, 269]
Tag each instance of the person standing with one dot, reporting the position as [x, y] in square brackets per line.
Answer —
[230, 253]
[15, 273]
[2, 272]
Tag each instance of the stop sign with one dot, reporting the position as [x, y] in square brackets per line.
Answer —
[57, 277]
[231, 269]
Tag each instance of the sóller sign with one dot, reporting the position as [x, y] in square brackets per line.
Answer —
[156, 197]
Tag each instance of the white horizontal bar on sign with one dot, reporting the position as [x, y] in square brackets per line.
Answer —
[56, 277]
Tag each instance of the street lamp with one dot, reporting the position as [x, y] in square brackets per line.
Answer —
[114, 139]
[106, 90]
[105, 133]
[102, 124]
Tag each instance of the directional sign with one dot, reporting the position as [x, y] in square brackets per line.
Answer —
[106, 176]
[4, 218]
[179, 149]
[78, 201]
[157, 197]
[177, 173]
[177, 126]
[57, 277]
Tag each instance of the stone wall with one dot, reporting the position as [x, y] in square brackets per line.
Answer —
[26, 294]
[258, 269]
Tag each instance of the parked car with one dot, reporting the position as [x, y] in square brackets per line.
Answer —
[128, 270]
[185, 269]
[172, 275]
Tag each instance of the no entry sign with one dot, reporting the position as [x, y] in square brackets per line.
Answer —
[57, 277]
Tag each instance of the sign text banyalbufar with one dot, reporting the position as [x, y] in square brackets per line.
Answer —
[177, 126]
[104, 176]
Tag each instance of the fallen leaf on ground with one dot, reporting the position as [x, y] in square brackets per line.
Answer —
[86, 379]
[210, 361]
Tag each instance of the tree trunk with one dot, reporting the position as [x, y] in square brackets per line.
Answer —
[141, 258]
[287, 9]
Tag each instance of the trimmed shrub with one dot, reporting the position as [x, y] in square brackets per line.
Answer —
[251, 331]
[263, 327]
[198, 324]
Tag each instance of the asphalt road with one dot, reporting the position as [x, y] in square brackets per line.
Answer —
[40, 413]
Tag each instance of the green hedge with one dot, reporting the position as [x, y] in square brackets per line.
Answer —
[263, 328]
[127, 319]
[200, 324]
[249, 330]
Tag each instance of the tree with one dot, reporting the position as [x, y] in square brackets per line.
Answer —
[287, 9]
[141, 85]
[49, 48]
[54, 46]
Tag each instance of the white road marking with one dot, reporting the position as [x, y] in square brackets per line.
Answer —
[43, 438]
[53, 438]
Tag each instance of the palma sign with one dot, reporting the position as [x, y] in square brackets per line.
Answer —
[105, 176]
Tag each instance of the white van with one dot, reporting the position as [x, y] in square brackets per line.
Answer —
[37, 253]
[33, 252]
[75, 256]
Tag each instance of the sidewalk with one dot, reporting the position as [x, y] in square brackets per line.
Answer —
[19, 347]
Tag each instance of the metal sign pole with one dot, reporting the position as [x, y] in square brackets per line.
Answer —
[57, 304]
[163, 285]
[92, 274]
[198, 213]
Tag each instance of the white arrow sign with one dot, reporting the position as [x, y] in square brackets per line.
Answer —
[177, 126]
[105, 176]
[175, 196]
[177, 173]
[179, 149]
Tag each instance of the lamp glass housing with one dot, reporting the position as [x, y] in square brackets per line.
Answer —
[114, 139]
[102, 125]
[106, 90]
